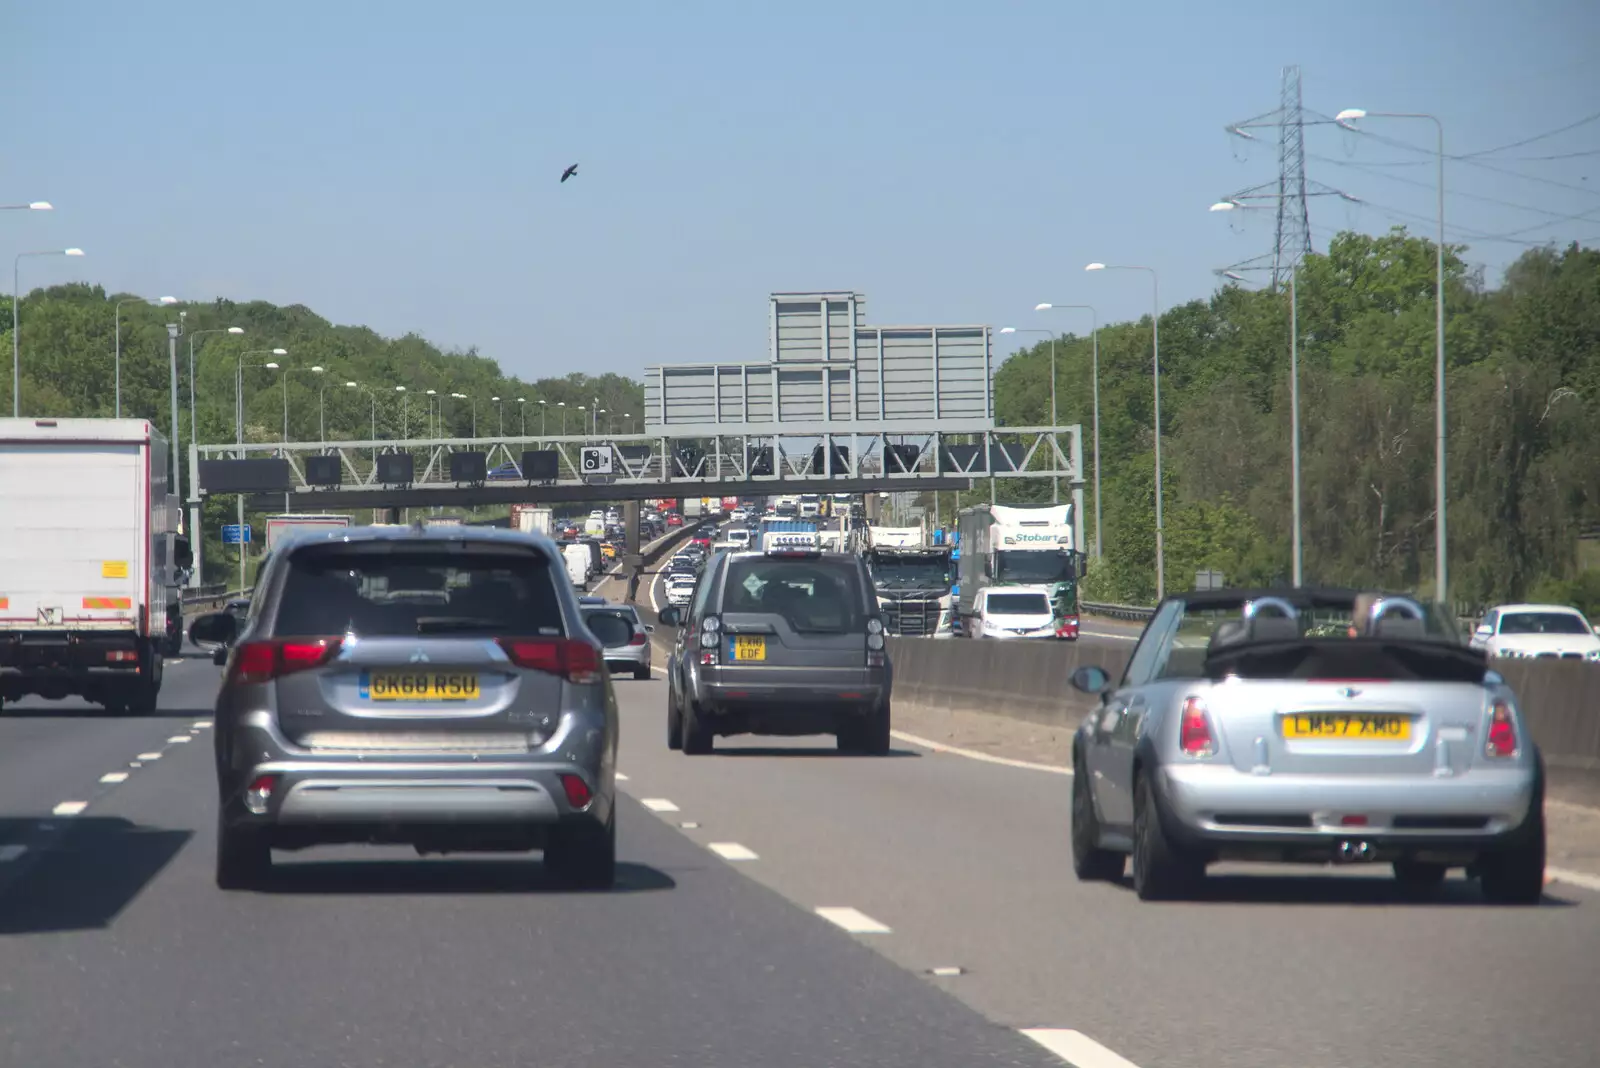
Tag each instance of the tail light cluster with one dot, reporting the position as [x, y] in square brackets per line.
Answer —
[1195, 736]
[638, 638]
[710, 640]
[875, 642]
[273, 658]
[1501, 740]
[569, 658]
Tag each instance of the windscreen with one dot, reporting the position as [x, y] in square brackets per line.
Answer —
[817, 596]
[895, 571]
[612, 628]
[380, 594]
[1543, 623]
[1033, 565]
[1018, 604]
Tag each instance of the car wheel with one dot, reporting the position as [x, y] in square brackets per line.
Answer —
[1161, 870]
[1514, 875]
[866, 735]
[641, 672]
[1089, 862]
[697, 737]
[1417, 876]
[674, 721]
[582, 855]
[244, 856]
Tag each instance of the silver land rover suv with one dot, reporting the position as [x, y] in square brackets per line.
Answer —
[428, 687]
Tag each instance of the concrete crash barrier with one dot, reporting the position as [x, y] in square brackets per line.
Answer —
[1028, 680]
[1022, 680]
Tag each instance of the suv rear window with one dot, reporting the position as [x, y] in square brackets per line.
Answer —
[813, 595]
[378, 593]
[613, 628]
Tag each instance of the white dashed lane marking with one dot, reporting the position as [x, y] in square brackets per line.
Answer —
[658, 804]
[69, 808]
[147, 757]
[852, 920]
[114, 776]
[178, 739]
[11, 851]
[732, 851]
[621, 777]
[1076, 1048]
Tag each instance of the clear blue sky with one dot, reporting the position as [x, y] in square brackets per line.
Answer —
[395, 164]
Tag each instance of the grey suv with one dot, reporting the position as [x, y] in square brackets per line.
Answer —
[434, 688]
[786, 642]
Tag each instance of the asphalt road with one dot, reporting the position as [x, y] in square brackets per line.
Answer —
[116, 948]
[966, 864]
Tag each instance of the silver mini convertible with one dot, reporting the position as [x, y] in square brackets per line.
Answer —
[1306, 726]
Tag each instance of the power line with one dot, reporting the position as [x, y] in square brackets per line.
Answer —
[1539, 137]
[1451, 192]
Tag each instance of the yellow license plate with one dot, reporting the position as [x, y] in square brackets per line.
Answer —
[1347, 726]
[749, 648]
[420, 686]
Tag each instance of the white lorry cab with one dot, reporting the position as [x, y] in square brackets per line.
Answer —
[92, 563]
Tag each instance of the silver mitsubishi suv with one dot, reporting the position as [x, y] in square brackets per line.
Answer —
[433, 688]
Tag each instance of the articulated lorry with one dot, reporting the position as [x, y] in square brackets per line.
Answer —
[912, 578]
[1005, 546]
[92, 564]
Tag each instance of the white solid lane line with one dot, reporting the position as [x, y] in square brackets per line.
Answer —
[852, 920]
[69, 808]
[973, 754]
[1576, 878]
[11, 851]
[621, 777]
[114, 776]
[658, 804]
[148, 757]
[1110, 635]
[1076, 1048]
[732, 851]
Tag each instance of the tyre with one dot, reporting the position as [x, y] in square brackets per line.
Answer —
[582, 855]
[1089, 862]
[244, 856]
[1419, 876]
[140, 699]
[1514, 875]
[641, 672]
[1162, 871]
[674, 722]
[697, 736]
[867, 735]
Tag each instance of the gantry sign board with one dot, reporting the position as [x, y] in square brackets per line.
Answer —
[827, 371]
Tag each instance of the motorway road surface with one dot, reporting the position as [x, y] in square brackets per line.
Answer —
[918, 910]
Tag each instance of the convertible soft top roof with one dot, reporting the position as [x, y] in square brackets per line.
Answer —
[1302, 597]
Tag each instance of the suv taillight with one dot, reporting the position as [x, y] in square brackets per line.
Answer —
[1502, 737]
[569, 658]
[273, 658]
[638, 638]
[1194, 729]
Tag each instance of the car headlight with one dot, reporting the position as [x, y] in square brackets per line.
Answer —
[1593, 654]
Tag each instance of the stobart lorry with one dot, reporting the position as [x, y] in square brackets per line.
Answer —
[1005, 546]
[91, 561]
[912, 579]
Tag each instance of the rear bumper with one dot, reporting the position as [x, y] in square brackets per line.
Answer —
[628, 656]
[1227, 812]
[41, 661]
[815, 703]
[342, 789]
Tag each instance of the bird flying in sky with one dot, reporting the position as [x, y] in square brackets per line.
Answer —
[569, 172]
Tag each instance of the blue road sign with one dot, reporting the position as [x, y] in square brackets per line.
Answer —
[234, 534]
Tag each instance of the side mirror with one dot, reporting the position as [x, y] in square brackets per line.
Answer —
[1091, 680]
[648, 629]
[214, 628]
[670, 616]
[1484, 631]
[182, 553]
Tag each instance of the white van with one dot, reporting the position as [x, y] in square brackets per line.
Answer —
[1014, 612]
[578, 558]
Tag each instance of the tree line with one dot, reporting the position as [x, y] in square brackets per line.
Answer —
[1523, 428]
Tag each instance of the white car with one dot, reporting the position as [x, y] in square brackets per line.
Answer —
[1524, 631]
[1014, 612]
[680, 590]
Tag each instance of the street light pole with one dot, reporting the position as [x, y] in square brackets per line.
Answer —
[1094, 374]
[1155, 365]
[238, 435]
[194, 434]
[16, 301]
[1441, 573]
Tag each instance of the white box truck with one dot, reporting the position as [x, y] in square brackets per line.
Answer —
[91, 562]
